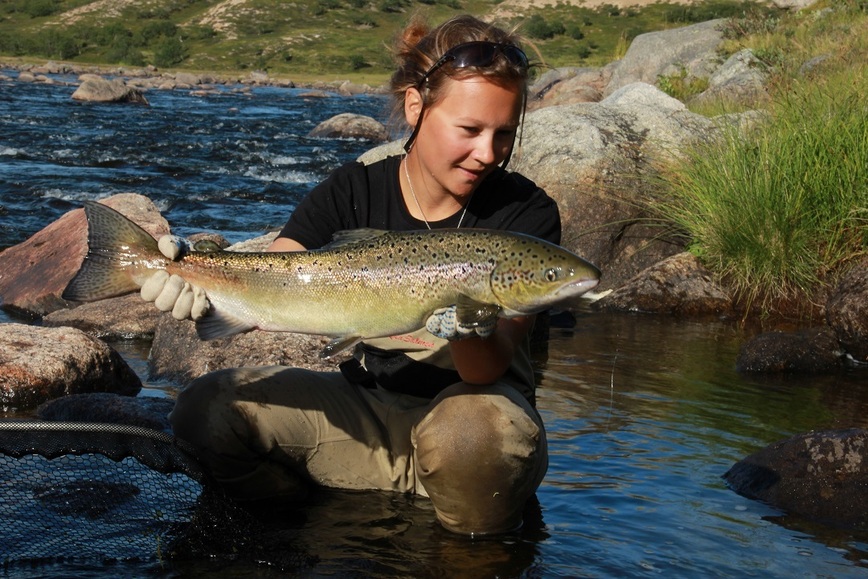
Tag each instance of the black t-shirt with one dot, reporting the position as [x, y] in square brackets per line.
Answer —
[358, 195]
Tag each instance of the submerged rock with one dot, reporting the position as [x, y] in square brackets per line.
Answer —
[106, 407]
[811, 350]
[820, 476]
[847, 312]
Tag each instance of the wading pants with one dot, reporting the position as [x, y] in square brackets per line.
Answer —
[478, 452]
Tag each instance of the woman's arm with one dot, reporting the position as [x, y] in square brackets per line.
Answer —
[285, 244]
[485, 360]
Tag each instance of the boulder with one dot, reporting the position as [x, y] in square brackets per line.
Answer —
[98, 89]
[567, 86]
[39, 364]
[811, 350]
[122, 318]
[689, 49]
[820, 476]
[179, 356]
[595, 160]
[740, 80]
[679, 284]
[847, 312]
[110, 408]
[33, 274]
[350, 126]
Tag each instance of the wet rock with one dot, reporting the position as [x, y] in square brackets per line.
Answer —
[106, 407]
[94, 88]
[179, 356]
[811, 350]
[125, 317]
[847, 312]
[350, 126]
[821, 476]
[33, 274]
[677, 285]
[38, 364]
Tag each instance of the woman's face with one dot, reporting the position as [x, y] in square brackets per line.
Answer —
[466, 134]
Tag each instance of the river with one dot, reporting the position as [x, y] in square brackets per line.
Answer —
[644, 413]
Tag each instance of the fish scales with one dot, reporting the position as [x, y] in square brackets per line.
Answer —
[366, 284]
[382, 281]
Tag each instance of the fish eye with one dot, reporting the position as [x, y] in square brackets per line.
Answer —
[551, 274]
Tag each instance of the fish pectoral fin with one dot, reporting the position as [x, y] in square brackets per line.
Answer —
[338, 345]
[471, 313]
[217, 324]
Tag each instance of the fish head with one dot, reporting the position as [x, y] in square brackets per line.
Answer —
[535, 275]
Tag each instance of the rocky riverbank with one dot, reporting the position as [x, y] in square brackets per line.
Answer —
[590, 135]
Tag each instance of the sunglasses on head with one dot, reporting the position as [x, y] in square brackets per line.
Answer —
[480, 54]
[477, 54]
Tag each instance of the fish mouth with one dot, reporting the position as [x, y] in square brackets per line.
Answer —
[576, 288]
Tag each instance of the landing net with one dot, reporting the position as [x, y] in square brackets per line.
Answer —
[92, 492]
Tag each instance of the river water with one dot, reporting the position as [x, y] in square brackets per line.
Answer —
[644, 413]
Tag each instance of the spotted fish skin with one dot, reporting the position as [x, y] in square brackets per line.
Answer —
[367, 283]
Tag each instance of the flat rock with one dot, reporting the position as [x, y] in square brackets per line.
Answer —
[38, 364]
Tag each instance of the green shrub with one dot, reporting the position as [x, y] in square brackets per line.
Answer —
[169, 52]
[538, 28]
[777, 212]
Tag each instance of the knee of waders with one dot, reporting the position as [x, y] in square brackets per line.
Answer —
[480, 455]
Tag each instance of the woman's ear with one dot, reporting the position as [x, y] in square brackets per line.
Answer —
[412, 106]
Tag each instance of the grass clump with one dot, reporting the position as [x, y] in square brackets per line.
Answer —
[779, 210]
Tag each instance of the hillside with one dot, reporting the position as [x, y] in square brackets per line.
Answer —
[316, 37]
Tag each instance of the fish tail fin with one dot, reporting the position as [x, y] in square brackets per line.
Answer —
[120, 256]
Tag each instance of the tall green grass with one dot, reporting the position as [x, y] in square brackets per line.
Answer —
[779, 210]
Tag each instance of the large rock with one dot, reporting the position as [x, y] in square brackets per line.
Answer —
[677, 285]
[595, 160]
[564, 86]
[350, 126]
[39, 364]
[847, 312]
[107, 407]
[94, 88]
[821, 476]
[811, 350]
[33, 274]
[179, 356]
[690, 49]
[121, 318]
[740, 80]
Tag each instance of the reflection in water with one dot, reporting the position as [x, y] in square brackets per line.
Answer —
[644, 414]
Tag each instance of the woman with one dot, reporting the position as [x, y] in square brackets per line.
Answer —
[444, 412]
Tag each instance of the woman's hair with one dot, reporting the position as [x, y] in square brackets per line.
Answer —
[418, 47]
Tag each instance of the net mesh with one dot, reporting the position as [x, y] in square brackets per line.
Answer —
[73, 491]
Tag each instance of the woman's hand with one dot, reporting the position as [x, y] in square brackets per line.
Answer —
[485, 360]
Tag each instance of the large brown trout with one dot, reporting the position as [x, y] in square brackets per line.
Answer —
[366, 284]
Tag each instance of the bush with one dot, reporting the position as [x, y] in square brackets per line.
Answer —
[40, 8]
[538, 28]
[779, 211]
[169, 52]
[157, 28]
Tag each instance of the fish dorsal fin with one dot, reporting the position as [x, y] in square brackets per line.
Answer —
[469, 312]
[348, 236]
